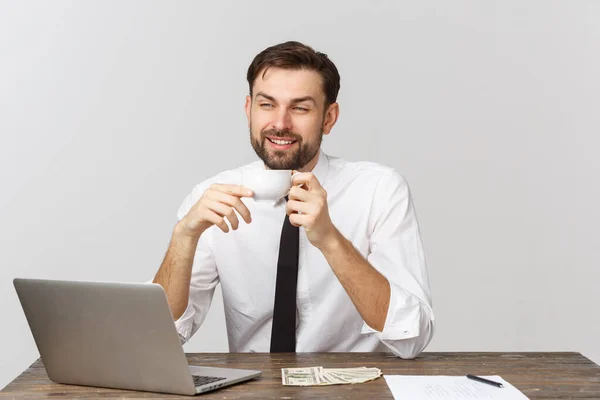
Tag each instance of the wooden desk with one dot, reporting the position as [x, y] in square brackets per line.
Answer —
[538, 375]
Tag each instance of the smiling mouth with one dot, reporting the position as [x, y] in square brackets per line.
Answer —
[282, 142]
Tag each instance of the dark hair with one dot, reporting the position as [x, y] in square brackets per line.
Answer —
[295, 55]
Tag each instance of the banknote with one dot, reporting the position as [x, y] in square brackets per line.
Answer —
[318, 376]
[301, 376]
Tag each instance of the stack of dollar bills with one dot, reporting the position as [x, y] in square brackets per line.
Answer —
[317, 376]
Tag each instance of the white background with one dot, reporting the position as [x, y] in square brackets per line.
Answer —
[111, 111]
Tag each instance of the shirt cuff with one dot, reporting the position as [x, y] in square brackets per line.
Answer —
[185, 323]
[403, 317]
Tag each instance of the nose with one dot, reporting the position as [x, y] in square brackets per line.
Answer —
[283, 120]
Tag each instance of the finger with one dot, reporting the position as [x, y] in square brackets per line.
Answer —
[308, 179]
[234, 202]
[294, 173]
[223, 210]
[215, 219]
[298, 220]
[301, 194]
[294, 206]
[234, 190]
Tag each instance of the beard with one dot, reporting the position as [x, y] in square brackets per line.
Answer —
[285, 159]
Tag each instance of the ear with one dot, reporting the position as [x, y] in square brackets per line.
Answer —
[247, 107]
[331, 116]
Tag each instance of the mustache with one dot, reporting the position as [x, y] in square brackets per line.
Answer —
[281, 134]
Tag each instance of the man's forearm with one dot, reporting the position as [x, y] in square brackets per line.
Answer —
[175, 271]
[367, 288]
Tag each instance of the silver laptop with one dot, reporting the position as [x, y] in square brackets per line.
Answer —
[115, 335]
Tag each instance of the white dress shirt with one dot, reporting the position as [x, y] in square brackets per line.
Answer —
[371, 206]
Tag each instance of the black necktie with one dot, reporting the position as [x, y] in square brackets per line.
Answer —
[283, 334]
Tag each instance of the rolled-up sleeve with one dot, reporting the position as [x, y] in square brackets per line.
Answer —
[205, 277]
[397, 253]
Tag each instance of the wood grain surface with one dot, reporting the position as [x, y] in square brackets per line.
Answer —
[537, 375]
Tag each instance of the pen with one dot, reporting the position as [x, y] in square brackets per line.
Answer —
[483, 380]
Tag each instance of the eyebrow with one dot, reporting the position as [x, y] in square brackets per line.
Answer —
[293, 101]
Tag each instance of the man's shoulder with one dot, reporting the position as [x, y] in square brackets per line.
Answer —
[367, 181]
[360, 169]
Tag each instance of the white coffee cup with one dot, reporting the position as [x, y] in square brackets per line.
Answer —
[268, 184]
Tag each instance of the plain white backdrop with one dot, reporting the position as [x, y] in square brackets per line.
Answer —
[111, 111]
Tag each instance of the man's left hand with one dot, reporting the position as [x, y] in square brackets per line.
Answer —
[307, 207]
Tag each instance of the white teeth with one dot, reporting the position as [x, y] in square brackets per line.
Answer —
[281, 141]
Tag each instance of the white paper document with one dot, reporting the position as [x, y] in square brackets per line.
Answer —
[423, 387]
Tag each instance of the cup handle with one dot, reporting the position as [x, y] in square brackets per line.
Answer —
[291, 179]
[288, 191]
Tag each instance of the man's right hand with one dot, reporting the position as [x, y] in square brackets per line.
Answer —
[217, 203]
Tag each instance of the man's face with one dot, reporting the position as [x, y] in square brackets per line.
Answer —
[287, 119]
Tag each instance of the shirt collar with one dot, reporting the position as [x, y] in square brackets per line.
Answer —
[320, 170]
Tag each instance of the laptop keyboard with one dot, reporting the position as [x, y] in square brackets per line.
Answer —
[203, 380]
